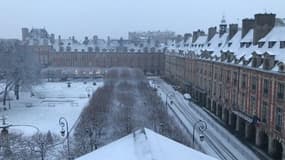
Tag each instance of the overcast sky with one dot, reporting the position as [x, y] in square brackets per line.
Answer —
[117, 17]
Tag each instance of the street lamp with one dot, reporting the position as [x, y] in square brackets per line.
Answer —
[64, 129]
[89, 90]
[202, 125]
[4, 134]
[168, 95]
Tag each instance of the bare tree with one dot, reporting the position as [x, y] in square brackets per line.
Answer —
[18, 67]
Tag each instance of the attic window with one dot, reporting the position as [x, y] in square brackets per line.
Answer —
[248, 44]
[260, 44]
[242, 44]
[282, 44]
[230, 44]
[271, 44]
[266, 64]
[281, 68]
[209, 44]
[220, 44]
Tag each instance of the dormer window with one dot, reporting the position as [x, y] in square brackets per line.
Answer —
[68, 48]
[90, 49]
[281, 68]
[260, 44]
[209, 44]
[282, 44]
[266, 63]
[242, 44]
[271, 44]
[230, 44]
[220, 44]
[61, 49]
[248, 44]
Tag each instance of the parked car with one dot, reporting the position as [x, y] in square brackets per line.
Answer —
[187, 96]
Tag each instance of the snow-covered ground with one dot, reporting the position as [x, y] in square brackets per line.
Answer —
[51, 101]
[218, 141]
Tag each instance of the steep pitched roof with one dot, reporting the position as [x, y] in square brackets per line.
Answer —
[145, 144]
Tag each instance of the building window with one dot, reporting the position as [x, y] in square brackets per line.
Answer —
[271, 44]
[68, 48]
[265, 87]
[254, 62]
[61, 49]
[228, 76]
[220, 44]
[243, 103]
[253, 83]
[230, 44]
[248, 44]
[282, 44]
[235, 78]
[278, 119]
[264, 112]
[243, 81]
[253, 105]
[266, 63]
[260, 44]
[280, 91]
[242, 45]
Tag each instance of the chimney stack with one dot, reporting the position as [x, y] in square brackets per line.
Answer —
[247, 24]
[263, 25]
[212, 31]
[233, 29]
[197, 34]
[25, 33]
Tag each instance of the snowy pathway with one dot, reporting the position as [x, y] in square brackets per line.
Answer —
[218, 141]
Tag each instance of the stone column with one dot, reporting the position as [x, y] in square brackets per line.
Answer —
[237, 124]
[270, 145]
[246, 130]
[283, 152]
[223, 114]
[217, 110]
[211, 106]
[257, 137]
[230, 119]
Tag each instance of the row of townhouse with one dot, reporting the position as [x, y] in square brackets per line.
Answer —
[87, 58]
[238, 74]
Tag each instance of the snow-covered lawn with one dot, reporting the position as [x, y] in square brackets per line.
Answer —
[51, 101]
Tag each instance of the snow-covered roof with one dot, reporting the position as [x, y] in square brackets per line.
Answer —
[248, 37]
[275, 35]
[201, 40]
[145, 144]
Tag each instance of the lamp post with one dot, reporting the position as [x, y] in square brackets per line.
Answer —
[4, 134]
[64, 129]
[89, 90]
[202, 126]
[168, 95]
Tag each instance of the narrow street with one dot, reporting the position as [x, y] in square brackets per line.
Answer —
[218, 141]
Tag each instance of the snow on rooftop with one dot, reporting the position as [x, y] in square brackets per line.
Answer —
[275, 35]
[145, 144]
[248, 37]
[201, 40]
